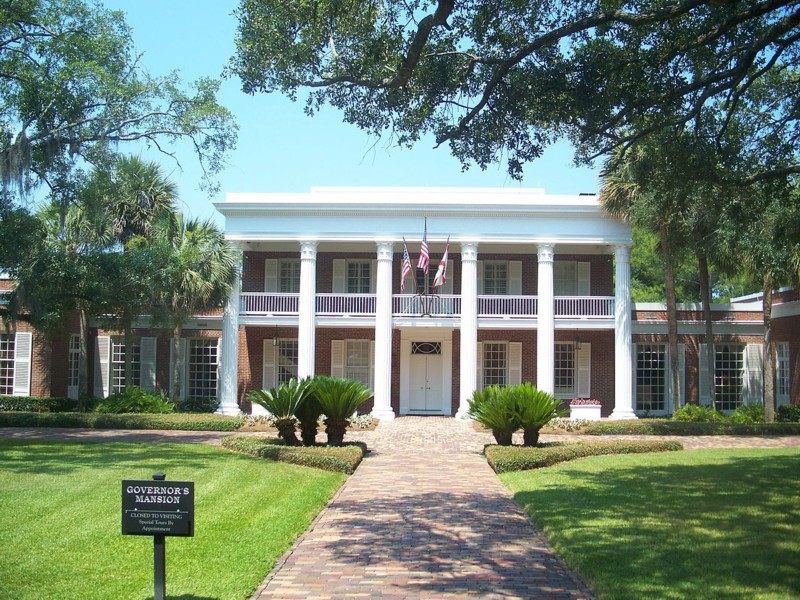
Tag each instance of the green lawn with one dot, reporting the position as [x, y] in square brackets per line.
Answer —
[60, 529]
[695, 524]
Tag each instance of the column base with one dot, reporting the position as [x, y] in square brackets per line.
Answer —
[228, 410]
[462, 414]
[383, 414]
[619, 414]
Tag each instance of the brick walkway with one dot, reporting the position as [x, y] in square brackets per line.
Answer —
[423, 517]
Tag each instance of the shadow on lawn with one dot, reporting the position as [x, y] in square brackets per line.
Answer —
[65, 457]
[685, 530]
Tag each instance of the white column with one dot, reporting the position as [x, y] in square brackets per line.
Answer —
[382, 408]
[623, 357]
[229, 367]
[546, 332]
[469, 327]
[306, 325]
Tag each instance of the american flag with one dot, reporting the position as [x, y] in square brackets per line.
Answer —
[424, 257]
[406, 268]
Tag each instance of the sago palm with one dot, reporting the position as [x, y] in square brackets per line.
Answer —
[339, 399]
[494, 408]
[535, 408]
[282, 403]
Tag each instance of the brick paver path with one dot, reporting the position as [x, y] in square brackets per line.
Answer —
[423, 517]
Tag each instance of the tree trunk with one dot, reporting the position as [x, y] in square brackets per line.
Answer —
[705, 297]
[308, 432]
[287, 431]
[672, 317]
[336, 428]
[768, 362]
[530, 437]
[176, 364]
[83, 359]
[503, 438]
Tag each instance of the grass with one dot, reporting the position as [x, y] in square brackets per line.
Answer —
[700, 524]
[60, 521]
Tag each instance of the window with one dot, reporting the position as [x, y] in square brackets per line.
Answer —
[564, 376]
[782, 373]
[287, 361]
[651, 377]
[289, 276]
[495, 278]
[730, 375]
[202, 368]
[118, 383]
[495, 363]
[571, 278]
[358, 277]
[7, 348]
[358, 361]
[73, 364]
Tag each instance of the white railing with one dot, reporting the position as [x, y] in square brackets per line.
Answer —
[507, 306]
[444, 305]
[345, 304]
[259, 303]
[584, 307]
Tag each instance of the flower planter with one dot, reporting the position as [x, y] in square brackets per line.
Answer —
[585, 412]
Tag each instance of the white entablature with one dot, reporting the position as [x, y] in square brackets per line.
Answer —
[469, 215]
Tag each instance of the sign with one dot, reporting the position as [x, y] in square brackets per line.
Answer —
[158, 508]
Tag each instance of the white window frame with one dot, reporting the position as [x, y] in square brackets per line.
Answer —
[571, 278]
[191, 388]
[7, 362]
[783, 379]
[117, 360]
[289, 276]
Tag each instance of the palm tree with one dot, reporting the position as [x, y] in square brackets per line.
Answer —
[198, 266]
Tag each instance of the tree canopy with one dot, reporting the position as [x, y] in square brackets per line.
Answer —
[72, 89]
[501, 80]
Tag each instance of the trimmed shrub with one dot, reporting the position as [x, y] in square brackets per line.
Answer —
[36, 404]
[668, 427]
[343, 459]
[504, 459]
[748, 413]
[789, 413]
[198, 405]
[697, 414]
[175, 421]
[135, 400]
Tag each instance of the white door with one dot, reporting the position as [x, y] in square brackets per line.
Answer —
[425, 389]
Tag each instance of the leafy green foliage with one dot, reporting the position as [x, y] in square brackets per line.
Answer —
[180, 422]
[669, 427]
[748, 413]
[135, 400]
[535, 409]
[504, 459]
[339, 399]
[282, 402]
[198, 405]
[697, 414]
[495, 409]
[789, 413]
[308, 413]
[343, 459]
[36, 404]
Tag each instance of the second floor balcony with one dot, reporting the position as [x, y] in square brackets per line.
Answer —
[446, 305]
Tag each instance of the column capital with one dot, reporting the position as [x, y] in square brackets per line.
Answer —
[385, 250]
[469, 251]
[622, 252]
[545, 252]
[308, 250]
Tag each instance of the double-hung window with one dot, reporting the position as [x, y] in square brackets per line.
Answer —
[7, 347]
[202, 367]
[118, 383]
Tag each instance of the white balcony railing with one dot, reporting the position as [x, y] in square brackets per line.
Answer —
[448, 305]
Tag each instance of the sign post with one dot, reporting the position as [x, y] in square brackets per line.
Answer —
[158, 508]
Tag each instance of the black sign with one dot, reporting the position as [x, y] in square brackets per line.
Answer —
[158, 508]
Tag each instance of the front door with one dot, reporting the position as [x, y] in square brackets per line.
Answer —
[425, 389]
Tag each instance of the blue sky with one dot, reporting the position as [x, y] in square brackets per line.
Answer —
[281, 149]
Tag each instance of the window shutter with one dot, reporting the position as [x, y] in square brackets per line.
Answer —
[74, 358]
[583, 362]
[23, 351]
[480, 280]
[271, 275]
[147, 353]
[372, 366]
[102, 366]
[705, 393]
[373, 275]
[514, 277]
[268, 365]
[337, 358]
[219, 370]
[339, 276]
[682, 371]
[584, 279]
[634, 363]
[514, 363]
[753, 392]
[479, 368]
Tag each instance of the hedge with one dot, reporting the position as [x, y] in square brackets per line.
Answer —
[504, 459]
[343, 459]
[665, 427]
[36, 404]
[181, 421]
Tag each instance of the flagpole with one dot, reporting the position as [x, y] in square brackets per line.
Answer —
[413, 274]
